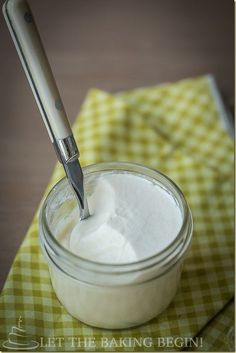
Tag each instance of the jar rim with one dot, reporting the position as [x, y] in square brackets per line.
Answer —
[145, 263]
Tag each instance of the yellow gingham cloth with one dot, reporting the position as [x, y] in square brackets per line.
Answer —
[176, 129]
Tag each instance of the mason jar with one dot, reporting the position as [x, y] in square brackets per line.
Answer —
[112, 296]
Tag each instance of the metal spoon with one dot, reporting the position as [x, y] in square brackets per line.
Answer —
[28, 44]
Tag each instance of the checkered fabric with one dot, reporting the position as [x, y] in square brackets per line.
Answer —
[220, 333]
[176, 129]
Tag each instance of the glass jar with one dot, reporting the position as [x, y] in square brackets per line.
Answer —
[112, 296]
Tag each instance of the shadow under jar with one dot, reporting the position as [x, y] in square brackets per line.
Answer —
[112, 295]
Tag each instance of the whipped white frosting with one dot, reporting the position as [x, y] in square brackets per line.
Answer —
[131, 219]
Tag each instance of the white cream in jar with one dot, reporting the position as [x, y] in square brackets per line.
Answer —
[131, 219]
[122, 264]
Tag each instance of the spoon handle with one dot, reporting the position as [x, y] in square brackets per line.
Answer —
[26, 38]
[28, 44]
